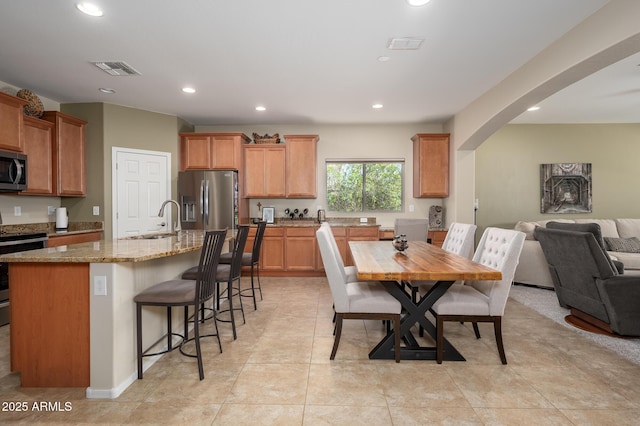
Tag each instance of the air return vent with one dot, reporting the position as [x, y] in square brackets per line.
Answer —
[405, 43]
[116, 68]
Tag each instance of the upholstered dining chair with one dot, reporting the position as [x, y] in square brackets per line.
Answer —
[459, 240]
[414, 229]
[350, 272]
[482, 301]
[184, 293]
[356, 300]
[253, 260]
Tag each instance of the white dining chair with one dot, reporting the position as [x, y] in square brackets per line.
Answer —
[482, 301]
[414, 229]
[350, 272]
[356, 300]
[459, 240]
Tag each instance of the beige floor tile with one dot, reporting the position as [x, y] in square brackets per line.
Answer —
[169, 413]
[316, 415]
[572, 388]
[345, 383]
[522, 416]
[411, 416]
[270, 384]
[495, 387]
[603, 417]
[412, 384]
[283, 349]
[250, 415]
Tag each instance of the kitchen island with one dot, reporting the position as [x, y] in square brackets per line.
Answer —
[72, 310]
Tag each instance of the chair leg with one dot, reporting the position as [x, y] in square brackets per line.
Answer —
[169, 335]
[338, 332]
[396, 331]
[196, 337]
[215, 323]
[253, 289]
[233, 320]
[476, 330]
[139, 338]
[439, 338]
[497, 328]
[258, 276]
[244, 320]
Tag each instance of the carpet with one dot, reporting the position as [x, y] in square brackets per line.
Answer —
[545, 302]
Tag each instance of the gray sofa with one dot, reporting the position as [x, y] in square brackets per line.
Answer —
[533, 268]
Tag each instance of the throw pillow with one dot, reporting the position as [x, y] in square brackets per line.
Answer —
[527, 228]
[629, 245]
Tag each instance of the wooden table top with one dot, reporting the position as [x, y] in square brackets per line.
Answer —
[378, 260]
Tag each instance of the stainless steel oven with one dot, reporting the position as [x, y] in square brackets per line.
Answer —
[13, 243]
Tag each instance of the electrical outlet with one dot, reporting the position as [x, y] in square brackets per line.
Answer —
[17, 211]
[411, 207]
[100, 285]
[96, 210]
[363, 220]
[51, 210]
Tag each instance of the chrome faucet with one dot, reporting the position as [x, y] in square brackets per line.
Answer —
[161, 213]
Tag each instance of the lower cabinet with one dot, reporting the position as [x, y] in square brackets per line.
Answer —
[294, 250]
[437, 236]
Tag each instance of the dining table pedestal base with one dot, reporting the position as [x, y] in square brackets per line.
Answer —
[415, 313]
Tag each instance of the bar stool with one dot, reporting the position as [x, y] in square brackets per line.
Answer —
[185, 293]
[253, 260]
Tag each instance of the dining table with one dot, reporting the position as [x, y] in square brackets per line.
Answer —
[379, 261]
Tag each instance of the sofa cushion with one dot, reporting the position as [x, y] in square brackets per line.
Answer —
[629, 245]
[628, 228]
[607, 226]
[527, 228]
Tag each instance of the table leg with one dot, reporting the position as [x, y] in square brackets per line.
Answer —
[415, 314]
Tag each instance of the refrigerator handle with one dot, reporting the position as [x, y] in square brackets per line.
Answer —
[206, 202]
[202, 200]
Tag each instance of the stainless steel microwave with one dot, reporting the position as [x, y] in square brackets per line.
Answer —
[13, 171]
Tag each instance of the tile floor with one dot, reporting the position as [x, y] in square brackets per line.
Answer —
[278, 372]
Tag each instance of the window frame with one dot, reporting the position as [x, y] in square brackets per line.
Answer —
[400, 161]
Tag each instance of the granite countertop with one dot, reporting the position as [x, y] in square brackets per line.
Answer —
[115, 251]
[50, 228]
[336, 222]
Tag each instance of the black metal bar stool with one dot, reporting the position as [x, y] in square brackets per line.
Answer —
[185, 293]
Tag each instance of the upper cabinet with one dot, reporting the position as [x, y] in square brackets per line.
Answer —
[301, 166]
[265, 171]
[431, 165]
[11, 121]
[38, 145]
[68, 154]
[208, 151]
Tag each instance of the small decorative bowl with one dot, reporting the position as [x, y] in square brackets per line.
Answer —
[400, 242]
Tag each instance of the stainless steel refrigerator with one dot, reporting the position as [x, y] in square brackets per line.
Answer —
[208, 199]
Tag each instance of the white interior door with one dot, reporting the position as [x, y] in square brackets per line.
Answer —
[141, 182]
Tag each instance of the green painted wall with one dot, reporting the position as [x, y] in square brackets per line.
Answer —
[508, 170]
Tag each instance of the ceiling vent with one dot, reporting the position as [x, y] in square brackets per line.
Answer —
[405, 43]
[116, 68]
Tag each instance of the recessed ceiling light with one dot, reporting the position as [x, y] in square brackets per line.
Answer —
[377, 106]
[417, 2]
[106, 90]
[260, 108]
[533, 108]
[89, 9]
[188, 90]
[383, 58]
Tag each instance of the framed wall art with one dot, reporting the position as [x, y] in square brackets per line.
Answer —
[268, 214]
[565, 188]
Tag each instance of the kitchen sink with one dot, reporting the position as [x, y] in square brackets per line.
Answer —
[151, 236]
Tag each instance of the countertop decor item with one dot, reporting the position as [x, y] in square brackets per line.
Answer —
[400, 242]
[34, 108]
[266, 138]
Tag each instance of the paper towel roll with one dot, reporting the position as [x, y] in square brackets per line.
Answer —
[62, 221]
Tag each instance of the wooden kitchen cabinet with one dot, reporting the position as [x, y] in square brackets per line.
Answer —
[68, 154]
[437, 236]
[38, 146]
[264, 171]
[431, 165]
[210, 151]
[67, 239]
[11, 122]
[301, 166]
[300, 249]
[272, 250]
[360, 233]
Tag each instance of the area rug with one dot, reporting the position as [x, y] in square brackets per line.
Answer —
[545, 302]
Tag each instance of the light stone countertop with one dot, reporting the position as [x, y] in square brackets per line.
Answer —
[115, 251]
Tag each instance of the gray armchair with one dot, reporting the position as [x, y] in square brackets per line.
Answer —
[587, 281]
